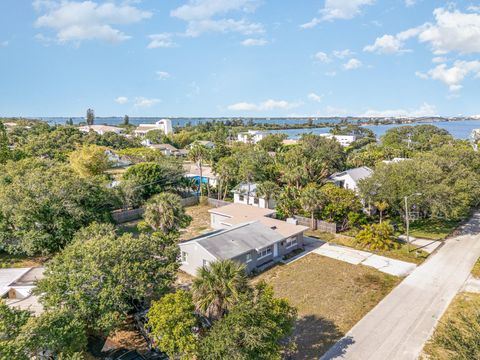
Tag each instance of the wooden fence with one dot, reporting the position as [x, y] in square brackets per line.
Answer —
[321, 225]
[122, 216]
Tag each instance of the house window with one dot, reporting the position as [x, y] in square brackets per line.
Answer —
[255, 201]
[184, 257]
[241, 197]
[264, 253]
[291, 242]
[205, 263]
[249, 258]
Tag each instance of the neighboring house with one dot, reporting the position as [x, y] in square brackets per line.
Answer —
[349, 179]
[116, 160]
[244, 234]
[344, 140]
[101, 129]
[251, 136]
[192, 171]
[394, 160]
[16, 287]
[245, 194]
[166, 149]
[164, 125]
[206, 143]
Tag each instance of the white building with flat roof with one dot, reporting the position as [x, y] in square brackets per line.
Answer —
[251, 136]
[344, 140]
[164, 125]
[101, 129]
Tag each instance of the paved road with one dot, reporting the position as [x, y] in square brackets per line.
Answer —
[398, 327]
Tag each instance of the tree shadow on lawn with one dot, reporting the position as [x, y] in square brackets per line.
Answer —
[314, 336]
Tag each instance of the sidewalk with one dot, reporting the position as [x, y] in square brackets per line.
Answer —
[426, 245]
[356, 257]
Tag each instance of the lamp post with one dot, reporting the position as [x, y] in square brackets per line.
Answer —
[407, 218]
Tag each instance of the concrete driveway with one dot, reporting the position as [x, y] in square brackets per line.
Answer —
[398, 327]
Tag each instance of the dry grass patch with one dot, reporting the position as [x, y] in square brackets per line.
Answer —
[331, 296]
[200, 221]
[463, 303]
[20, 261]
[476, 270]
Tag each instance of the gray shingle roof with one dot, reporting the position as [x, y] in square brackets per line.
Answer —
[236, 241]
[356, 174]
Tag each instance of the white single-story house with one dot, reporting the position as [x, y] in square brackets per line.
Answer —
[16, 287]
[101, 129]
[116, 160]
[344, 140]
[164, 125]
[251, 136]
[208, 144]
[245, 234]
[394, 160]
[247, 194]
[349, 179]
[167, 149]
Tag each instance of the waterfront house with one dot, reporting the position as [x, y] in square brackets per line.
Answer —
[101, 129]
[344, 140]
[164, 125]
[251, 136]
[246, 193]
[349, 179]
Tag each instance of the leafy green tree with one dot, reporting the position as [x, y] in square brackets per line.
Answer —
[227, 171]
[89, 160]
[338, 204]
[140, 155]
[269, 190]
[164, 212]
[90, 117]
[272, 142]
[153, 178]
[5, 153]
[311, 199]
[43, 203]
[377, 237]
[172, 321]
[11, 323]
[101, 277]
[217, 287]
[288, 202]
[158, 137]
[256, 328]
[381, 207]
[198, 153]
[126, 120]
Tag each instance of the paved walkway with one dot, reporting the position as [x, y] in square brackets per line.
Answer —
[355, 257]
[426, 245]
[398, 327]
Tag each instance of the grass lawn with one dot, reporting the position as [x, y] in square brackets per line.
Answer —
[20, 261]
[200, 221]
[129, 227]
[401, 253]
[433, 229]
[466, 303]
[476, 269]
[330, 295]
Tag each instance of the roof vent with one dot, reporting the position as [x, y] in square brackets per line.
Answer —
[273, 228]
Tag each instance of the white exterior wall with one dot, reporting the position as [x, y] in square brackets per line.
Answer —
[348, 182]
[262, 203]
[196, 255]
[216, 221]
[344, 140]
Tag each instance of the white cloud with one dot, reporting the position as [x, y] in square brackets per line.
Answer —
[452, 76]
[424, 110]
[162, 75]
[254, 42]
[264, 106]
[342, 54]
[200, 16]
[352, 64]
[163, 40]
[439, 59]
[453, 31]
[409, 3]
[338, 9]
[322, 57]
[88, 20]
[386, 44]
[145, 102]
[315, 97]
[121, 100]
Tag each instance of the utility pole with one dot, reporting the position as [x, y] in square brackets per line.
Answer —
[407, 221]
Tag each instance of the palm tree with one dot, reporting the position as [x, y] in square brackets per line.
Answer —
[165, 212]
[381, 206]
[218, 287]
[311, 199]
[227, 170]
[268, 190]
[198, 153]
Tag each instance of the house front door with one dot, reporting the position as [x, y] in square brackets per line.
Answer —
[275, 250]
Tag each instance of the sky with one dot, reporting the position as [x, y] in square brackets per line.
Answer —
[229, 58]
